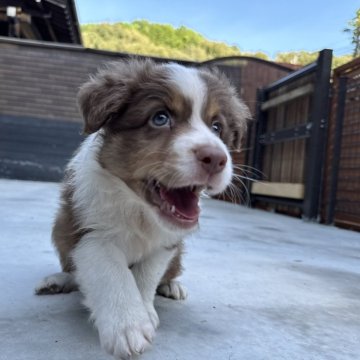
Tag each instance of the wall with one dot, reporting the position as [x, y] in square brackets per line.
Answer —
[39, 81]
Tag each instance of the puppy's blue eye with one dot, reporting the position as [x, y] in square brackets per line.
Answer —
[216, 127]
[161, 118]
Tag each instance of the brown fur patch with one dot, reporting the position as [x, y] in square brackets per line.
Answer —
[175, 267]
[66, 232]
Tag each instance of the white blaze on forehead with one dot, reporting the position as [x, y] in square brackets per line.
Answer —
[188, 81]
[192, 86]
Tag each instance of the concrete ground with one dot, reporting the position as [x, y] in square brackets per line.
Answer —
[261, 286]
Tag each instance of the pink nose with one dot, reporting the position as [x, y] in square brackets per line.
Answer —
[212, 159]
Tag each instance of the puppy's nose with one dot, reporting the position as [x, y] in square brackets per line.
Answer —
[212, 159]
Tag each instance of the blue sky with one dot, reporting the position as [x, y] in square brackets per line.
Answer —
[253, 25]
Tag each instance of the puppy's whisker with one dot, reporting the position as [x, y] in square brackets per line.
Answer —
[247, 192]
[231, 194]
[249, 169]
[176, 178]
[246, 167]
[145, 169]
[239, 194]
[155, 153]
[247, 172]
[236, 195]
[237, 177]
[235, 192]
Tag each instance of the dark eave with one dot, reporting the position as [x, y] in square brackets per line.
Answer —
[45, 20]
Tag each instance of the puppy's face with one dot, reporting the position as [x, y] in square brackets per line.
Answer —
[167, 131]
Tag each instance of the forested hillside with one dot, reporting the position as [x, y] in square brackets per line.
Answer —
[143, 37]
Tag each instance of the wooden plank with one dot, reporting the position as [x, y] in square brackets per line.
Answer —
[277, 148]
[279, 189]
[291, 95]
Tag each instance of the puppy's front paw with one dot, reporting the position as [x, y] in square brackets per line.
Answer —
[126, 338]
[154, 317]
[173, 289]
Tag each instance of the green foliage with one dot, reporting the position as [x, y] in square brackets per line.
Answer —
[305, 57]
[354, 30]
[341, 60]
[145, 38]
[296, 57]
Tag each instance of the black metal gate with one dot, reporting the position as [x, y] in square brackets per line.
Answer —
[291, 123]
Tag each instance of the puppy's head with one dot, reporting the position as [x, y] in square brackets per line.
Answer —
[167, 131]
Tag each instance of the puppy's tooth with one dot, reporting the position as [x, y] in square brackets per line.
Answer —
[172, 209]
[167, 207]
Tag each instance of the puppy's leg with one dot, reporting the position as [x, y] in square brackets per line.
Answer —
[169, 287]
[65, 236]
[62, 282]
[148, 274]
[111, 294]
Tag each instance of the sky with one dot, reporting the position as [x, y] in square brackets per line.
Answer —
[269, 26]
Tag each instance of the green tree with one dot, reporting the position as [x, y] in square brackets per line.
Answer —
[145, 38]
[341, 60]
[163, 40]
[296, 57]
[354, 30]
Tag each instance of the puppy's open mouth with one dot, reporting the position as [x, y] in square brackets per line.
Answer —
[178, 205]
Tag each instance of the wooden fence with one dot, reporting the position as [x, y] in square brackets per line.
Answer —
[341, 197]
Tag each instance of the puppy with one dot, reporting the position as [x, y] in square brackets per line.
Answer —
[160, 134]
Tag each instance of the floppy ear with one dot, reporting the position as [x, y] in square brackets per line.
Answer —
[235, 111]
[240, 115]
[99, 98]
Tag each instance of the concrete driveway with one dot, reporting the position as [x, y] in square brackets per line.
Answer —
[261, 286]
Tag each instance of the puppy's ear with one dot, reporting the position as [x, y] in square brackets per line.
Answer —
[235, 112]
[100, 97]
[240, 115]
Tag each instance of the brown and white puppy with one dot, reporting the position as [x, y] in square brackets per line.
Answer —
[160, 134]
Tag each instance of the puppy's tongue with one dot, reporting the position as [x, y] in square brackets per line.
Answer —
[186, 202]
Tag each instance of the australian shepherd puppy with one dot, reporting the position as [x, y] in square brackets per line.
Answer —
[160, 135]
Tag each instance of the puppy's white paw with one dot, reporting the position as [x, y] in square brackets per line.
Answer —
[62, 282]
[123, 339]
[154, 317]
[173, 289]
